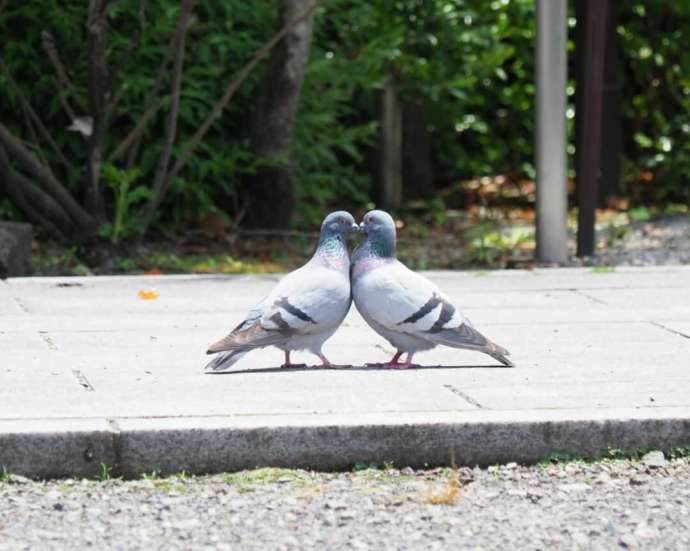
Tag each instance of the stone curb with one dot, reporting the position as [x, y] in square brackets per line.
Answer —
[133, 446]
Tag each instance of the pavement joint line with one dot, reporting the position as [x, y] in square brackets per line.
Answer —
[46, 338]
[82, 380]
[589, 297]
[463, 395]
[116, 432]
[665, 328]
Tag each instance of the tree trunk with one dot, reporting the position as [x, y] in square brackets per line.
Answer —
[270, 191]
[418, 171]
[98, 84]
[391, 190]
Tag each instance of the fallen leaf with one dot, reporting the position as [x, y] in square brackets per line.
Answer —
[148, 294]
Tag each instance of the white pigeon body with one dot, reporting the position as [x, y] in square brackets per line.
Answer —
[404, 307]
[304, 309]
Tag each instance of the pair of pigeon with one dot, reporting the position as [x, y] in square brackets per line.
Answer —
[307, 306]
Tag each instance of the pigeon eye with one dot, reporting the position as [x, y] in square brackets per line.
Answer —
[341, 220]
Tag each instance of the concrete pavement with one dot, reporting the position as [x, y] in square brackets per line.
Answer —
[91, 373]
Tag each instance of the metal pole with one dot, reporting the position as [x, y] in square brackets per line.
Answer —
[552, 185]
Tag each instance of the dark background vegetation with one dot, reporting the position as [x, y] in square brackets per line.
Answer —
[463, 70]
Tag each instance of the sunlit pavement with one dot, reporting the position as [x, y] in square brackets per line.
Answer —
[110, 370]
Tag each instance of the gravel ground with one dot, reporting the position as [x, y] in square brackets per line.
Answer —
[664, 240]
[607, 505]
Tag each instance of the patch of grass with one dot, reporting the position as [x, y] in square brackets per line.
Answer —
[172, 483]
[603, 269]
[5, 475]
[65, 488]
[104, 473]
[613, 454]
[679, 453]
[168, 262]
[639, 214]
[267, 475]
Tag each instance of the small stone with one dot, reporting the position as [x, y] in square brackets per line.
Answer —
[643, 531]
[654, 459]
[629, 541]
[640, 479]
[575, 487]
[18, 479]
[603, 479]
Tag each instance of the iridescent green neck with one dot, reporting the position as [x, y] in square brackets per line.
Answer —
[332, 249]
[381, 245]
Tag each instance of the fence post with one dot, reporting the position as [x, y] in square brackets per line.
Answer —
[589, 144]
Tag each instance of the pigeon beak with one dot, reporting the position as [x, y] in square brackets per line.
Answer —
[361, 227]
[355, 227]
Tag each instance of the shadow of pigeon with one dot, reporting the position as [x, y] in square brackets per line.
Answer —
[414, 367]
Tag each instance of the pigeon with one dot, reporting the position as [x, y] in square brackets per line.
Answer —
[403, 306]
[304, 309]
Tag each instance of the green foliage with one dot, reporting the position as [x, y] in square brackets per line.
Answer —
[5, 475]
[603, 269]
[125, 222]
[104, 473]
[656, 106]
[469, 62]
[488, 242]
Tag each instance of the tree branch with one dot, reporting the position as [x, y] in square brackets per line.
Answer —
[54, 188]
[171, 126]
[64, 82]
[98, 80]
[239, 79]
[30, 206]
[136, 132]
[133, 139]
[35, 118]
[133, 45]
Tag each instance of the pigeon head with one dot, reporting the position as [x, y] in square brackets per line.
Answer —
[339, 223]
[379, 228]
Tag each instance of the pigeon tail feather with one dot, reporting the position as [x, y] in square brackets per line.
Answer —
[499, 353]
[469, 338]
[226, 360]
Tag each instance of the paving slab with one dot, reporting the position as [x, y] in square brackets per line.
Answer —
[90, 373]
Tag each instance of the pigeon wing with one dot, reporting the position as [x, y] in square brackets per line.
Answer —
[305, 301]
[404, 301]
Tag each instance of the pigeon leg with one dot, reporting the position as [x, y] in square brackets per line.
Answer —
[391, 363]
[326, 363]
[287, 361]
[395, 364]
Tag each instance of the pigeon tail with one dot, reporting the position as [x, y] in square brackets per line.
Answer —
[500, 354]
[225, 360]
[469, 338]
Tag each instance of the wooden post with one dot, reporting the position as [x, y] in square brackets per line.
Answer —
[589, 137]
[391, 161]
[552, 188]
